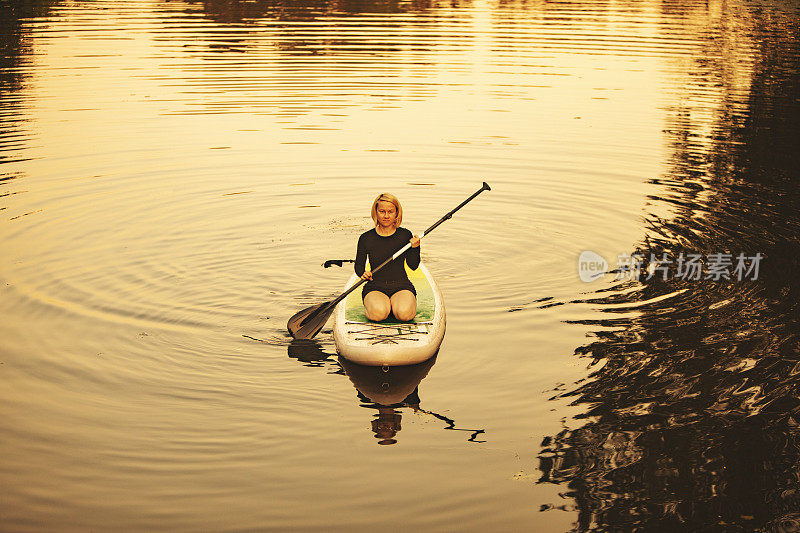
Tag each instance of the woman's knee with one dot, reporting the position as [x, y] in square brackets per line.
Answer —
[377, 308]
[405, 312]
[404, 306]
[377, 313]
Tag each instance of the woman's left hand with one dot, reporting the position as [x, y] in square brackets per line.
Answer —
[415, 241]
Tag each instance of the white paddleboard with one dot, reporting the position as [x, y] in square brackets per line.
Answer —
[391, 342]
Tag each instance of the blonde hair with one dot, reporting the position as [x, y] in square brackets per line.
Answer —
[386, 197]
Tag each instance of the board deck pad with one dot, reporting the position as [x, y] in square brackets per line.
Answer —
[354, 305]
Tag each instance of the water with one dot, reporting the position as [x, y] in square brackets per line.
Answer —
[173, 174]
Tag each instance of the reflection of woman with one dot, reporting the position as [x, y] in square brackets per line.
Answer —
[389, 290]
[387, 390]
[387, 423]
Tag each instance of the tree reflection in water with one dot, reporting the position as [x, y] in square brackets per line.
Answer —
[693, 409]
[238, 11]
[15, 55]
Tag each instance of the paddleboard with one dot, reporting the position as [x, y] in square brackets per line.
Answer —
[391, 342]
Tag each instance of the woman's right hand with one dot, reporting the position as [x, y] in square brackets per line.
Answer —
[367, 275]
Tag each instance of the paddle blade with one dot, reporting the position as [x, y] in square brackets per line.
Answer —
[308, 322]
[338, 262]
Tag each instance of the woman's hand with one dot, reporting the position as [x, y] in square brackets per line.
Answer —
[415, 241]
[367, 275]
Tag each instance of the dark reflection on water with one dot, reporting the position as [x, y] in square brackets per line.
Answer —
[238, 11]
[386, 390]
[692, 416]
[15, 58]
[389, 389]
[308, 352]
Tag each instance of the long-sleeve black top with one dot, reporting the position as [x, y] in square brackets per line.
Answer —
[378, 249]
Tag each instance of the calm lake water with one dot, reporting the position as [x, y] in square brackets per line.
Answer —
[173, 174]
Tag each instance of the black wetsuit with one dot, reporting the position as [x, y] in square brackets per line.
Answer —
[391, 278]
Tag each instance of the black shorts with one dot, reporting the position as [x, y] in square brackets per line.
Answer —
[388, 287]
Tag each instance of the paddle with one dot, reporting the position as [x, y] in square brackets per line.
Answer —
[338, 262]
[308, 322]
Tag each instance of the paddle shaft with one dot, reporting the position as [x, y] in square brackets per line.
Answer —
[402, 250]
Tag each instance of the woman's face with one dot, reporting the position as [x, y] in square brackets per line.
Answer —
[387, 214]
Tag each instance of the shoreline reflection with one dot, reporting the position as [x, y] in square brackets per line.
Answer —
[692, 408]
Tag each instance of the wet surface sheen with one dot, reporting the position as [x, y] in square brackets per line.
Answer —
[173, 174]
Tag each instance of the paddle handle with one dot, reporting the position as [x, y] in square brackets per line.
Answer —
[448, 216]
[401, 251]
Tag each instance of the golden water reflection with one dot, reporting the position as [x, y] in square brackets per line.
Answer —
[174, 173]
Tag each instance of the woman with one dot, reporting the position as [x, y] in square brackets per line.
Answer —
[389, 290]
